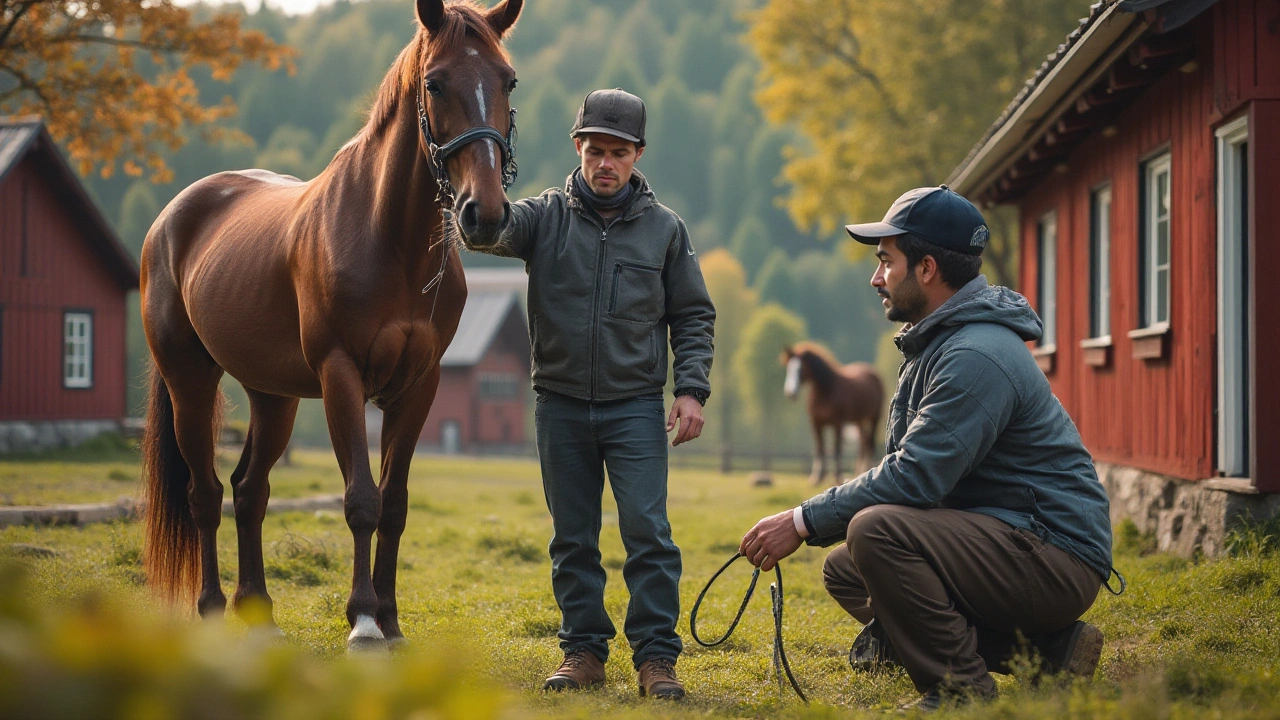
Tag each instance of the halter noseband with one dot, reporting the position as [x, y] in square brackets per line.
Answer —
[440, 153]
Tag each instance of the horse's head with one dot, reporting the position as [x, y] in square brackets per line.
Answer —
[793, 359]
[468, 128]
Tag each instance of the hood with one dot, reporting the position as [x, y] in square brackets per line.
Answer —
[976, 302]
[643, 196]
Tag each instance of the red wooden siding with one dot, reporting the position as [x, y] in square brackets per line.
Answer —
[63, 273]
[1264, 228]
[482, 421]
[1159, 414]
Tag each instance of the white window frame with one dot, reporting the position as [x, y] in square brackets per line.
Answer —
[1100, 262]
[1155, 313]
[1233, 311]
[1047, 286]
[77, 349]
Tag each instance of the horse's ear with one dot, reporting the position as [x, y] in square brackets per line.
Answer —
[503, 15]
[431, 14]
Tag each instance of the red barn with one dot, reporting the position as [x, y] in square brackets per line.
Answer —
[1144, 161]
[482, 406]
[64, 277]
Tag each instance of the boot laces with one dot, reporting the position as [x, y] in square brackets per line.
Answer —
[662, 668]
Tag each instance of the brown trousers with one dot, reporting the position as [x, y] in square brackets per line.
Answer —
[953, 590]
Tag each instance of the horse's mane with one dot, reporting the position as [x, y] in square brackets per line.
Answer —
[825, 369]
[462, 19]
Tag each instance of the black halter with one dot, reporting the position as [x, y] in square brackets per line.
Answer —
[440, 153]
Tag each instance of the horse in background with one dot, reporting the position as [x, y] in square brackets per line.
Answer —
[850, 395]
[347, 287]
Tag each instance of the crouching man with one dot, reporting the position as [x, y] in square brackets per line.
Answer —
[985, 521]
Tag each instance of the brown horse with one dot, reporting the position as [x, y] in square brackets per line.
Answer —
[347, 287]
[841, 395]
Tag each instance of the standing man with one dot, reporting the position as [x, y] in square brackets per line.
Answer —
[611, 272]
[985, 520]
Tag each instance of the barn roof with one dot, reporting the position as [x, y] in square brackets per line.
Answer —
[20, 137]
[1066, 95]
[483, 317]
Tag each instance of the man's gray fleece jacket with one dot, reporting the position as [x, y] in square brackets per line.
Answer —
[603, 295]
[974, 426]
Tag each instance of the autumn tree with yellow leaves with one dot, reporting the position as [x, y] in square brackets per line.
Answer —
[892, 94]
[112, 78]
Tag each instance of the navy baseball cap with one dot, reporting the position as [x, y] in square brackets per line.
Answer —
[935, 214]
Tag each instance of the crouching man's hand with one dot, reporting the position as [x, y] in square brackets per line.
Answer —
[772, 539]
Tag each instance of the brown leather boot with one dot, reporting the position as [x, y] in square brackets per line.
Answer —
[658, 680]
[580, 669]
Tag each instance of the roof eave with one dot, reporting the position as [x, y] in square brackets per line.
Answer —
[1072, 75]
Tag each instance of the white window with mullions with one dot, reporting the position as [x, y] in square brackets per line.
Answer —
[77, 350]
[1156, 231]
[1047, 285]
[1100, 263]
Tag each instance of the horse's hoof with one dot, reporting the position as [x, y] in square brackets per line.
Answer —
[366, 638]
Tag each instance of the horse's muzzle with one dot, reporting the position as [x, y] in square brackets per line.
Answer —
[482, 230]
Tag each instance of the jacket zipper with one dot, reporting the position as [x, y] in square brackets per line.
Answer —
[595, 314]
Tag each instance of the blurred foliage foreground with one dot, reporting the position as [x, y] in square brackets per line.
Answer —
[97, 657]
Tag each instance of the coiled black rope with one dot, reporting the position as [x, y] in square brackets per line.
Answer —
[780, 664]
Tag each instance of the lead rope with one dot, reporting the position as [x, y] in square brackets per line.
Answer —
[780, 664]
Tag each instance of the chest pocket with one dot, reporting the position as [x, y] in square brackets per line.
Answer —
[637, 293]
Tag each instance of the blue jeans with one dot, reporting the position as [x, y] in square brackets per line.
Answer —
[577, 441]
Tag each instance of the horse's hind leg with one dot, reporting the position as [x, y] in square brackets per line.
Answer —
[838, 431]
[192, 377]
[270, 425]
[401, 427]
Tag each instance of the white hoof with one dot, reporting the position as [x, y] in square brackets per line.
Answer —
[366, 638]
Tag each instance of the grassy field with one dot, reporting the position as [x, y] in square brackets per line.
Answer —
[1189, 639]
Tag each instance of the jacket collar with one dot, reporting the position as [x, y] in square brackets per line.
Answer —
[913, 339]
[642, 196]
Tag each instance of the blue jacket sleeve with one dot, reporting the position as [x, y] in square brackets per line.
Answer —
[967, 404]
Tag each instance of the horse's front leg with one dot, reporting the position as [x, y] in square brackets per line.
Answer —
[343, 391]
[838, 448]
[819, 456]
[401, 426]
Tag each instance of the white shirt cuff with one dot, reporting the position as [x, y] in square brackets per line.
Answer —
[797, 517]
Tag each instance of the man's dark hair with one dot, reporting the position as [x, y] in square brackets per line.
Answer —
[956, 268]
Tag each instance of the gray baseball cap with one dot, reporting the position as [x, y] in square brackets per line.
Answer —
[612, 112]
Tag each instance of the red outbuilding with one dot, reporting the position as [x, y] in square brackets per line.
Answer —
[64, 278]
[482, 406]
[1144, 161]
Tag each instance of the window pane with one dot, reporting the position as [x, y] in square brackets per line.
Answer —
[1162, 243]
[1162, 296]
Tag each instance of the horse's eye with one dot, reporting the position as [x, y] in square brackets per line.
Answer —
[433, 87]
[511, 88]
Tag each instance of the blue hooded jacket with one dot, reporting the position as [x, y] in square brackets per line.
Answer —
[974, 426]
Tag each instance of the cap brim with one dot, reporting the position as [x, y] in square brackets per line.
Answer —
[606, 131]
[870, 233]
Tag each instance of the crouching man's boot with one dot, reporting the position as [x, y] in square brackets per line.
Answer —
[658, 680]
[580, 669]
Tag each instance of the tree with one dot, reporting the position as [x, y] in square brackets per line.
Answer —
[113, 80]
[727, 283]
[892, 94]
[759, 373]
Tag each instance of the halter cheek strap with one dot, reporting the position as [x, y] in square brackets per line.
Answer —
[440, 153]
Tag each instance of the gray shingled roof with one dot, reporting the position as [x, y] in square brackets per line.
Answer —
[482, 318]
[15, 137]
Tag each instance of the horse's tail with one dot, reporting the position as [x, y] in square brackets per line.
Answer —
[171, 550]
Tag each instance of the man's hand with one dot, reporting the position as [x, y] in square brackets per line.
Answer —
[688, 411]
[772, 539]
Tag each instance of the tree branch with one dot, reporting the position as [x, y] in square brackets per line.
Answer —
[13, 22]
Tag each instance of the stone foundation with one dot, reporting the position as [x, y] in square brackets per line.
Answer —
[1186, 517]
[18, 436]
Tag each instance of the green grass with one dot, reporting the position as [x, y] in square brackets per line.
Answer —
[1188, 639]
